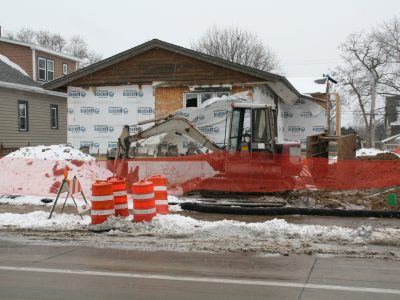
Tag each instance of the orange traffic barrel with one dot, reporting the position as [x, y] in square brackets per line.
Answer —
[120, 196]
[160, 193]
[144, 206]
[102, 202]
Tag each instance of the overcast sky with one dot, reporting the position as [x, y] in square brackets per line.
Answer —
[304, 34]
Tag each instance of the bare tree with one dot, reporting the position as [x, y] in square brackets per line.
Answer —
[93, 57]
[26, 35]
[238, 46]
[43, 38]
[364, 70]
[57, 42]
[77, 47]
[8, 35]
[388, 36]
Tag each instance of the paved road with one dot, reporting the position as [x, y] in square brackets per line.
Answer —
[30, 271]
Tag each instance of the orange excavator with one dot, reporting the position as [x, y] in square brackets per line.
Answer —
[252, 161]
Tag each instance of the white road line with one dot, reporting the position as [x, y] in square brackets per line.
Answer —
[205, 279]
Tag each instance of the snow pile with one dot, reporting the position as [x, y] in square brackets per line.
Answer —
[12, 64]
[40, 170]
[39, 220]
[369, 152]
[53, 152]
[212, 233]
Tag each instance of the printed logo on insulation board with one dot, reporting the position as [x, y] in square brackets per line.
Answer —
[296, 129]
[89, 110]
[90, 144]
[103, 128]
[306, 114]
[209, 129]
[76, 94]
[112, 144]
[220, 113]
[76, 129]
[117, 110]
[104, 93]
[286, 115]
[199, 118]
[134, 129]
[132, 93]
[145, 110]
[318, 128]
[181, 114]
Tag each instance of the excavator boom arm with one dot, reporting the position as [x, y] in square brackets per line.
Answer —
[178, 125]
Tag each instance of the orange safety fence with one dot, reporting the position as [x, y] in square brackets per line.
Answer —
[222, 171]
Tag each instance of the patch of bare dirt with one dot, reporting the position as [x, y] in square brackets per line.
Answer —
[380, 156]
[374, 199]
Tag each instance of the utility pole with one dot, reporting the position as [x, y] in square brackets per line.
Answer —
[328, 107]
[372, 115]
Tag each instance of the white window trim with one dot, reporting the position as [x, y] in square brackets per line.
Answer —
[45, 69]
[65, 69]
[199, 93]
[55, 109]
[25, 116]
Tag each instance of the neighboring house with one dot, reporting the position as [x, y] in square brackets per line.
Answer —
[392, 115]
[155, 79]
[29, 114]
[41, 64]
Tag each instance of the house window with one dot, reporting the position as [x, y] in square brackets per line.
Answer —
[42, 68]
[54, 116]
[196, 99]
[65, 69]
[45, 69]
[23, 116]
[50, 70]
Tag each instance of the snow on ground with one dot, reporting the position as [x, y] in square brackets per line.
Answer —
[26, 200]
[48, 201]
[180, 233]
[369, 152]
[39, 220]
[53, 152]
[39, 170]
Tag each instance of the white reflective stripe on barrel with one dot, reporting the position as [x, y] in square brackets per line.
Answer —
[103, 198]
[142, 196]
[160, 188]
[121, 206]
[106, 212]
[144, 211]
[161, 202]
[120, 193]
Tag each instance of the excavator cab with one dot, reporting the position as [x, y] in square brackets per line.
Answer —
[251, 128]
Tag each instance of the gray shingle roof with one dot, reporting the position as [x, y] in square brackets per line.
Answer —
[11, 75]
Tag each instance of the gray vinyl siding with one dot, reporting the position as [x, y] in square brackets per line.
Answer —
[40, 131]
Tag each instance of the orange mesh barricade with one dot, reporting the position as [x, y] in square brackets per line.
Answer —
[102, 202]
[144, 207]
[120, 196]
[160, 193]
